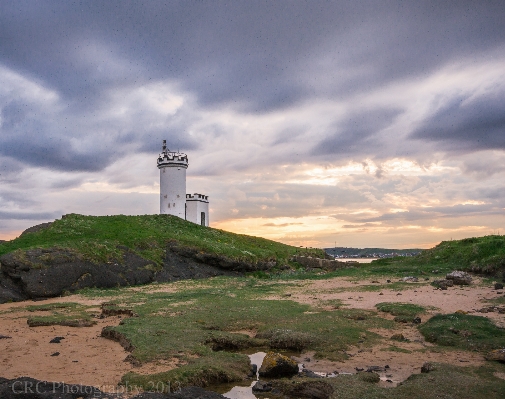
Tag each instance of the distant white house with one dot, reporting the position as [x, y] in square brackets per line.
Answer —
[173, 197]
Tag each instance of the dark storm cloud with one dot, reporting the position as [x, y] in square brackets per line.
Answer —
[257, 54]
[55, 154]
[253, 55]
[29, 215]
[18, 198]
[35, 135]
[354, 134]
[467, 124]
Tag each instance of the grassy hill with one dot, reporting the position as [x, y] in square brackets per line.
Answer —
[99, 238]
[478, 254]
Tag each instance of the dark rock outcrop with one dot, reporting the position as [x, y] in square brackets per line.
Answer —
[262, 386]
[44, 273]
[51, 272]
[276, 365]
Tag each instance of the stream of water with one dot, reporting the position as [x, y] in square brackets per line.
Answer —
[245, 392]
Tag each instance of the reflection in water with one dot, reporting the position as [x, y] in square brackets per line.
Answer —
[359, 260]
[257, 359]
[240, 392]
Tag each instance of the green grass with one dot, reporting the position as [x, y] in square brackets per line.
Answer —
[190, 323]
[393, 348]
[65, 314]
[70, 306]
[464, 331]
[478, 254]
[222, 367]
[497, 301]
[403, 312]
[400, 309]
[97, 238]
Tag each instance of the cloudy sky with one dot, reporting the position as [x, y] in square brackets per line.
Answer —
[365, 123]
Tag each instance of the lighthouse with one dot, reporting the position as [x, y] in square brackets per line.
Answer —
[172, 166]
[173, 197]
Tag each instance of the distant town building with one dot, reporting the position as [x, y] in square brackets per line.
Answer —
[173, 197]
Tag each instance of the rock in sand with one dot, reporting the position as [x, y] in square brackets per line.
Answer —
[276, 365]
[459, 277]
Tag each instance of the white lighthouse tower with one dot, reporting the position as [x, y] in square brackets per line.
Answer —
[173, 198]
[172, 166]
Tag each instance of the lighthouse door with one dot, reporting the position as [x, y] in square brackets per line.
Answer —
[202, 218]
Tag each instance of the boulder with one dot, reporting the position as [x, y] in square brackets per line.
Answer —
[310, 374]
[410, 279]
[276, 365]
[459, 278]
[497, 355]
[443, 284]
[262, 386]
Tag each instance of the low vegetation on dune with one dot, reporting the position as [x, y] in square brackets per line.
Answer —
[65, 314]
[101, 238]
[204, 325]
[477, 254]
[203, 328]
[445, 381]
[403, 312]
[464, 331]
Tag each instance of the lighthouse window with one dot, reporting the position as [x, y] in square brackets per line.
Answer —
[169, 204]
